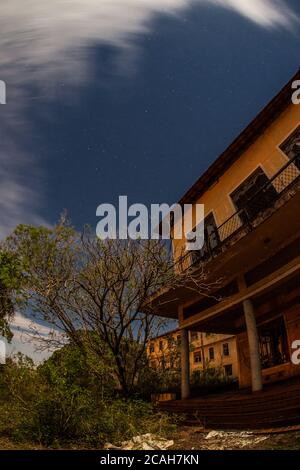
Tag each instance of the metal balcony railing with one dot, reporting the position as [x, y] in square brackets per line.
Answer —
[257, 208]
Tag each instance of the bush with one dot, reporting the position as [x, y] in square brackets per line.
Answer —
[210, 380]
[151, 381]
[56, 405]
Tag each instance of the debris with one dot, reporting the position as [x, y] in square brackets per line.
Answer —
[109, 446]
[143, 442]
[220, 440]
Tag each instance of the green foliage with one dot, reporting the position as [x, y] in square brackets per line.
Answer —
[159, 381]
[210, 376]
[10, 281]
[169, 381]
[211, 380]
[91, 290]
[94, 292]
[62, 402]
[10, 270]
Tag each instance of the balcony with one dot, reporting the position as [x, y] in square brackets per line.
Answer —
[262, 204]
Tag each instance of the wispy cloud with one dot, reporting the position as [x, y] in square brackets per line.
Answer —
[32, 338]
[266, 13]
[42, 42]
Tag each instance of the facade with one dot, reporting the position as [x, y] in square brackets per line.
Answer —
[251, 195]
[206, 351]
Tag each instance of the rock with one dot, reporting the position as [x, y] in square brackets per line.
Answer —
[213, 435]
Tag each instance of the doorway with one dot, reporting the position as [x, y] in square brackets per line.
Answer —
[273, 343]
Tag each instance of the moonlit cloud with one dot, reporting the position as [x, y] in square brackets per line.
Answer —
[29, 336]
[47, 41]
[267, 13]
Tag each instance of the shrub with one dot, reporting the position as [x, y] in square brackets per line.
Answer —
[55, 405]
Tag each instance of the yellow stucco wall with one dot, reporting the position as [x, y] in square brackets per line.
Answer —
[264, 152]
[162, 351]
[216, 342]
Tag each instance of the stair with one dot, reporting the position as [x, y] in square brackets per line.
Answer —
[277, 405]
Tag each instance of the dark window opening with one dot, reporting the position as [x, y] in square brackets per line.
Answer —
[161, 345]
[211, 240]
[211, 353]
[273, 343]
[253, 196]
[194, 335]
[152, 348]
[228, 370]
[291, 147]
[197, 357]
[225, 349]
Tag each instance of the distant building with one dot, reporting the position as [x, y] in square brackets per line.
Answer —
[213, 351]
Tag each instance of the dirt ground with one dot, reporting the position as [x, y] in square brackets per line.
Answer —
[7, 444]
[190, 438]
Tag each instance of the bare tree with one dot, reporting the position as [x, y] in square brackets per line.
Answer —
[96, 292]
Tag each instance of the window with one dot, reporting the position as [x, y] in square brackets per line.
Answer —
[273, 343]
[291, 147]
[228, 370]
[194, 335]
[152, 348]
[178, 339]
[197, 357]
[226, 349]
[211, 354]
[253, 196]
[211, 240]
[161, 345]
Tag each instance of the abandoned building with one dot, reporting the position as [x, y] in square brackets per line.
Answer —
[251, 195]
[207, 351]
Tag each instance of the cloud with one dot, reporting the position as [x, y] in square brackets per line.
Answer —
[46, 42]
[267, 13]
[28, 338]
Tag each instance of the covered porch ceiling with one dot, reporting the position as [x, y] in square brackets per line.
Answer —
[268, 303]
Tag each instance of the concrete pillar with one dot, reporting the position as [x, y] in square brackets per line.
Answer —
[185, 364]
[256, 374]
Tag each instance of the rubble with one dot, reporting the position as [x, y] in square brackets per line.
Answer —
[222, 440]
[142, 442]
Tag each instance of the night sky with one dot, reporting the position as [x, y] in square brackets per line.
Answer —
[129, 97]
[141, 109]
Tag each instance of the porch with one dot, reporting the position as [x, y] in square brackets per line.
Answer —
[277, 405]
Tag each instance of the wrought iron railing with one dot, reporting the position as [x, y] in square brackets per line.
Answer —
[248, 216]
